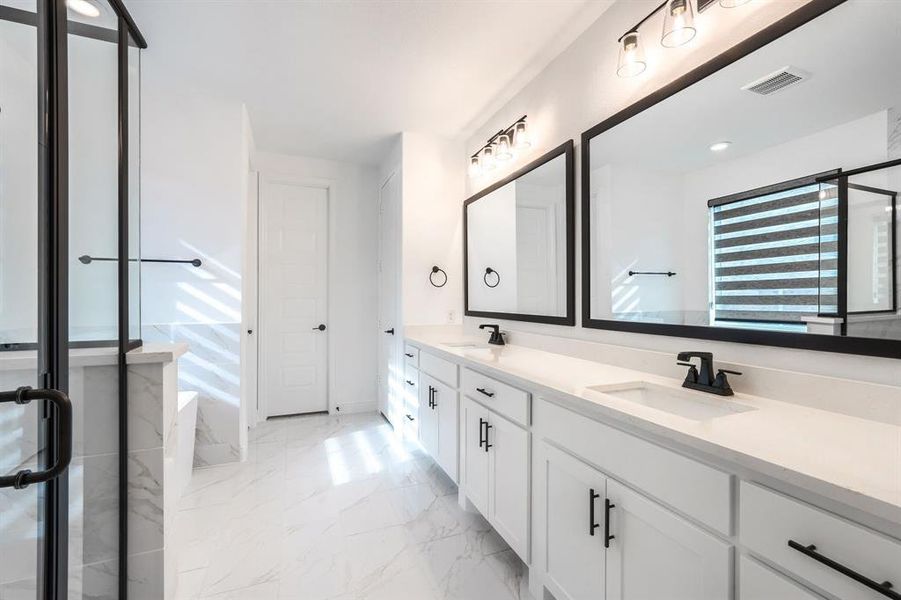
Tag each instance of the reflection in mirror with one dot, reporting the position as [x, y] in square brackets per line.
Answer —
[518, 244]
[768, 188]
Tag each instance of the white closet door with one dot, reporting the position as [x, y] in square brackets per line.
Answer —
[293, 298]
[390, 360]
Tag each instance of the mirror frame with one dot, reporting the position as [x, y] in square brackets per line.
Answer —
[807, 341]
[566, 149]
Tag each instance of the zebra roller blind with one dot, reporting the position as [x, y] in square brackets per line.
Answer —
[775, 253]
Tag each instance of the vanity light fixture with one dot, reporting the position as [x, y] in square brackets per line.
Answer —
[500, 147]
[475, 166]
[719, 146]
[631, 56]
[503, 147]
[488, 158]
[678, 24]
[521, 135]
[84, 7]
[678, 29]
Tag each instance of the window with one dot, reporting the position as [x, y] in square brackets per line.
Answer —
[775, 253]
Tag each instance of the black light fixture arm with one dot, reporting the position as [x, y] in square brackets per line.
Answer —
[643, 21]
[86, 259]
[508, 130]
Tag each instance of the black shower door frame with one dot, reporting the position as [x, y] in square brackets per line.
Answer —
[51, 21]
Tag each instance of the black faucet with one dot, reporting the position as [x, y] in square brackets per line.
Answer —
[497, 338]
[704, 380]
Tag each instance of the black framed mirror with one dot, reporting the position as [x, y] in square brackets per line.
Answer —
[753, 200]
[519, 244]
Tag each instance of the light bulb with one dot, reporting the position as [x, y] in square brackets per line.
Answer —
[521, 136]
[475, 166]
[503, 147]
[732, 3]
[488, 158]
[678, 23]
[84, 7]
[631, 56]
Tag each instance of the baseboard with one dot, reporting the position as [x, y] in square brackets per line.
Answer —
[356, 407]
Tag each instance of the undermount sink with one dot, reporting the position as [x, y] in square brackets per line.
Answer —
[688, 404]
[463, 345]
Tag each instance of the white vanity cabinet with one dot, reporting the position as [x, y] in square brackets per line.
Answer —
[438, 416]
[597, 538]
[494, 454]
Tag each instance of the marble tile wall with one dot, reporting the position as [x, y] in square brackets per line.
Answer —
[212, 368]
[93, 484]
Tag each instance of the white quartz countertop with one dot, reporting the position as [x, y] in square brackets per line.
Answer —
[89, 357]
[850, 460]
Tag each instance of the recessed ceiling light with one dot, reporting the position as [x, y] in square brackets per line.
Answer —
[84, 7]
[720, 146]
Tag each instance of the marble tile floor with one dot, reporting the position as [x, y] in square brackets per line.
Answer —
[336, 508]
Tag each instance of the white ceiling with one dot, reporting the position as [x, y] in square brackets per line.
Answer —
[336, 79]
[853, 57]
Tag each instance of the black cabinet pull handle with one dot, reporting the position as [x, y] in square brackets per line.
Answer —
[884, 588]
[408, 355]
[487, 445]
[434, 398]
[410, 382]
[592, 496]
[607, 537]
[486, 392]
[482, 423]
[390, 331]
[410, 417]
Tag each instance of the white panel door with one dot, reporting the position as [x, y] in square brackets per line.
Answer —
[445, 400]
[571, 514]
[428, 416]
[390, 361]
[508, 445]
[293, 298]
[656, 554]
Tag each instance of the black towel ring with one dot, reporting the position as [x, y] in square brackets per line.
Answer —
[489, 271]
[437, 269]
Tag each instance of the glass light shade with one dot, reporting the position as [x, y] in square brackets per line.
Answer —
[631, 56]
[678, 23]
[503, 147]
[488, 158]
[732, 3]
[475, 166]
[84, 7]
[521, 136]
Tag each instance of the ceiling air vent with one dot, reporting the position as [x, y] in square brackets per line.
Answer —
[774, 82]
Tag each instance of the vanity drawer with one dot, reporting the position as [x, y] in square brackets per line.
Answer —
[757, 582]
[411, 377]
[411, 355]
[499, 397]
[769, 520]
[443, 370]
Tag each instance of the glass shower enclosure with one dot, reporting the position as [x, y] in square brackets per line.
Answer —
[69, 293]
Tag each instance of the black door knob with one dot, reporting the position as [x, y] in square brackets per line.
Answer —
[390, 331]
[321, 327]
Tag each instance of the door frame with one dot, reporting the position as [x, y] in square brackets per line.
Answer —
[395, 172]
[329, 185]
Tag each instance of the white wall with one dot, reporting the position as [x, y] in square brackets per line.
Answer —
[433, 172]
[353, 283]
[194, 173]
[580, 88]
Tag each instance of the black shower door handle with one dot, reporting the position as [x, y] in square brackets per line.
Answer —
[24, 395]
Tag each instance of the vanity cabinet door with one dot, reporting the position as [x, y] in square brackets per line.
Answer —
[656, 554]
[474, 455]
[571, 516]
[508, 445]
[447, 409]
[428, 416]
